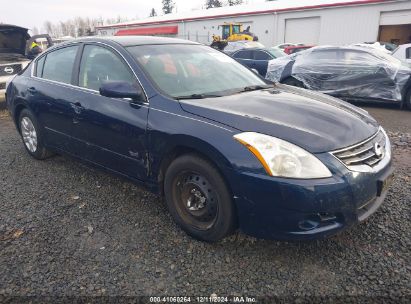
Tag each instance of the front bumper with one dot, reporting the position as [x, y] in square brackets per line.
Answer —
[292, 209]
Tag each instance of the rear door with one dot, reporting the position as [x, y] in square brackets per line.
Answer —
[52, 96]
[110, 132]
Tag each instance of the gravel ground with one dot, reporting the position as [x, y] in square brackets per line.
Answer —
[69, 230]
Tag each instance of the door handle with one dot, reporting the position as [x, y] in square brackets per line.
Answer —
[32, 90]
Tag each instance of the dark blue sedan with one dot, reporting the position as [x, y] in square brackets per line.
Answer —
[227, 149]
[257, 58]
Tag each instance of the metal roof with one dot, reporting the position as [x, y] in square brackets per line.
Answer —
[133, 40]
[269, 7]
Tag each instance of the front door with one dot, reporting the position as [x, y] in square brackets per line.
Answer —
[112, 131]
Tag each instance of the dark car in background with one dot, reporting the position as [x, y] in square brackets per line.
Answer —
[351, 73]
[14, 52]
[226, 148]
[257, 58]
[234, 46]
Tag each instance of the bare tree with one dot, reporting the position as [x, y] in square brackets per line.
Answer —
[35, 30]
[153, 13]
[168, 6]
[234, 2]
[213, 3]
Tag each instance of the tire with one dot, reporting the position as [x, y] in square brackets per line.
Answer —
[198, 199]
[293, 82]
[32, 136]
[407, 101]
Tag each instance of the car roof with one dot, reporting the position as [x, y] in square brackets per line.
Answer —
[252, 49]
[135, 40]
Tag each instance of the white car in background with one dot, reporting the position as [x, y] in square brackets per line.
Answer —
[403, 53]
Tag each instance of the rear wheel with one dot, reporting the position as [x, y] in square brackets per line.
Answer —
[198, 198]
[32, 136]
[293, 82]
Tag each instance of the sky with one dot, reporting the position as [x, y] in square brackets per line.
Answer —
[33, 13]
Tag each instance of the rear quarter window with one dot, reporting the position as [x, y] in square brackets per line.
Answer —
[39, 66]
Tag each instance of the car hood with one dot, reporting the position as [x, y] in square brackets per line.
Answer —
[313, 121]
[13, 39]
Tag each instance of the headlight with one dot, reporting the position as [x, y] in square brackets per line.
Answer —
[281, 158]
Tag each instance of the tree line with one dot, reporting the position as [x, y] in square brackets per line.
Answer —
[169, 5]
[80, 26]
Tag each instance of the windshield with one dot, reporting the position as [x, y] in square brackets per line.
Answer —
[276, 52]
[184, 70]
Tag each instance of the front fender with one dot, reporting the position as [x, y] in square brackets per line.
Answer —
[174, 129]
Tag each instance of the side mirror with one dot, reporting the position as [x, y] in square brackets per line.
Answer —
[255, 71]
[121, 89]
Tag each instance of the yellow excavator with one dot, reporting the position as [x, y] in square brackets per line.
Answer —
[232, 32]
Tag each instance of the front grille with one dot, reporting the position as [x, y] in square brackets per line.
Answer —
[10, 69]
[2, 86]
[369, 152]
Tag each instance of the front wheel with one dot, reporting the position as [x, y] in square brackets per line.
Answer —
[198, 198]
[32, 136]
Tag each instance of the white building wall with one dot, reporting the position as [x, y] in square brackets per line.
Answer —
[339, 25]
[202, 30]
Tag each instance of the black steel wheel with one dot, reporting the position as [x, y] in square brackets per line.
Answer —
[198, 198]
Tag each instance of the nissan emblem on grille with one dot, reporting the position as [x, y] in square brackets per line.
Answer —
[378, 150]
[9, 70]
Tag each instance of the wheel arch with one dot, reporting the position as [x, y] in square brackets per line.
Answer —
[189, 145]
[17, 111]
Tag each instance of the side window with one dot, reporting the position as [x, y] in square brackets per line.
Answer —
[58, 65]
[324, 55]
[408, 53]
[260, 55]
[243, 55]
[39, 66]
[354, 56]
[99, 64]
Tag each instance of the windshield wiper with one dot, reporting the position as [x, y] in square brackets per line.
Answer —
[255, 88]
[197, 96]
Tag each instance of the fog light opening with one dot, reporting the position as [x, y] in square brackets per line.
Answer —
[314, 221]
